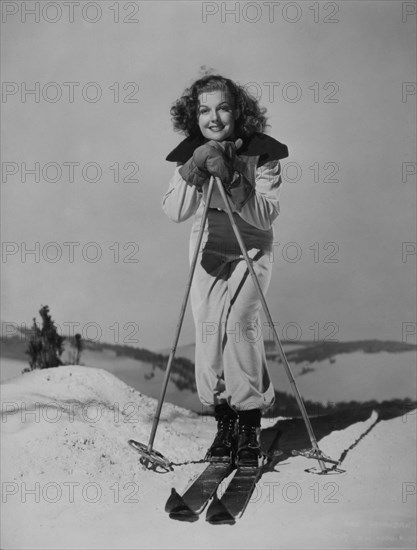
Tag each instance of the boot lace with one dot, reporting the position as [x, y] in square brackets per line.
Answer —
[248, 436]
[225, 428]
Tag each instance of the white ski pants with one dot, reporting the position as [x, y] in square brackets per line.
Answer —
[230, 357]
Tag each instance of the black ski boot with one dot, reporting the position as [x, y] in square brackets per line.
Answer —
[223, 448]
[249, 448]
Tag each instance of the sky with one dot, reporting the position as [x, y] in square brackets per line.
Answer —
[84, 170]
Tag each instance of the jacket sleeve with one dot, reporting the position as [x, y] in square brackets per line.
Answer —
[262, 207]
[181, 201]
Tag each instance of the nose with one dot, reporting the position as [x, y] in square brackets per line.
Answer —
[214, 115]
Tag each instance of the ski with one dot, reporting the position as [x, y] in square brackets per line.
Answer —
[188, 506]
[236, 497]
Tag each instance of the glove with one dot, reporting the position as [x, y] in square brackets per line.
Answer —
[194, 175]
[238, 187]
[240, 191]
[219, 159]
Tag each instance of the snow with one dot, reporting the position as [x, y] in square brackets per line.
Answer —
[70, 480]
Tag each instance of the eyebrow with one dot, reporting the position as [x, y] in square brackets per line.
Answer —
[219, 105]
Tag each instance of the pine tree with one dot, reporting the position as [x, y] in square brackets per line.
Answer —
[79, 347]
[35, 347]
[45, 345]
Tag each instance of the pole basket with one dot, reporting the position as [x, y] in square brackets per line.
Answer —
[151, 459]
[317, 454]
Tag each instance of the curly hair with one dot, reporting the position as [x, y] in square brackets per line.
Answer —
[185, 110]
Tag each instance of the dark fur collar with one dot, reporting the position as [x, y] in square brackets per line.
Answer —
[262, 145]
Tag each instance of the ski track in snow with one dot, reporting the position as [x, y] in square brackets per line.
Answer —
[70, 480]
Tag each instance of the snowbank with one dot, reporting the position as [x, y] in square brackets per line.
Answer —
[70, 480]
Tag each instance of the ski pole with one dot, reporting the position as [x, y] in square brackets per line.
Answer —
[147, 452]
[269, 318]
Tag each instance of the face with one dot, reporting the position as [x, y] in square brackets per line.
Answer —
[217, 115]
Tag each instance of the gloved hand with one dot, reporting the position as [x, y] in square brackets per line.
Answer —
[219, 159]
[240, 191]
[194, 175]
[238, 188]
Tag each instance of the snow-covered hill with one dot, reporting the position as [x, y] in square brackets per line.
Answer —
[70, 480]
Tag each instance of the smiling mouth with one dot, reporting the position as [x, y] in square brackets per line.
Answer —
[216, 128]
